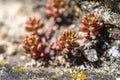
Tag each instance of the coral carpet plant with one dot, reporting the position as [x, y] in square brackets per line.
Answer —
[55, 7]
[90, 25]
[32, 25]
[67, 41]
[34, 44]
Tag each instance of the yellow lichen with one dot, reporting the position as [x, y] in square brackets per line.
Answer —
[74, 75]
[19, 69]
[53, 76]
[80, 75]
[83, 75]
[2, 63]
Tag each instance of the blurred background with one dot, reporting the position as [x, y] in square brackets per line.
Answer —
[13, 15]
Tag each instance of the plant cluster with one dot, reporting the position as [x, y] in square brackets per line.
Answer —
[38, 47]
[34, 47]
[55, 7]
[90, 25]
[67, 41]
[33, 43]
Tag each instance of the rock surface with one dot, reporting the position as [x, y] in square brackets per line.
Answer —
[13, 14]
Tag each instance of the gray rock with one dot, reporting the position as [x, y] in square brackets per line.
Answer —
[91, 55]
[117, 44]
[118, 72]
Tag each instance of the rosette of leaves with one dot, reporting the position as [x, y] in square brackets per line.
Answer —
[90, 25]
[32, 45]
[33, 24]
[55, 8]
[67, 41]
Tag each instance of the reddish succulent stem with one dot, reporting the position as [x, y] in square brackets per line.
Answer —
[44, 40]
[51, 28]
[49, 47]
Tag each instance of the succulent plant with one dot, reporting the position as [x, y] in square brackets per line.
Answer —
[33, 24]
[67, 41]
[32, 45]
[55, 7]
[90, 25]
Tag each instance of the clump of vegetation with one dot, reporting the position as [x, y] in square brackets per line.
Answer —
[34, 47]
[34, 44]
[33, 24]
[41, 46]
[67, 41]
[55, 8]
[90, 25]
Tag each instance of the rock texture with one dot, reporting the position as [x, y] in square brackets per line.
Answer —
[102, 55]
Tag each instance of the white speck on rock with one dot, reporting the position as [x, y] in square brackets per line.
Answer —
[23, 57]
[118, 72]
[31, 64]
[114, 52]
[11, 50]
[70, 71]
[1, 57]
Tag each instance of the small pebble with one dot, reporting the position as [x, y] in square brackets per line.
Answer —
[114, 52]
[2, 57]
[70, 71]
[11, 50]
[31, 64]
[118, 72]
[23, 57]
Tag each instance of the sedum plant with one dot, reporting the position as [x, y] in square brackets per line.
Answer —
[33, 24]
[90, 25]
[67, 41]
[34, 44]
[55, 8]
